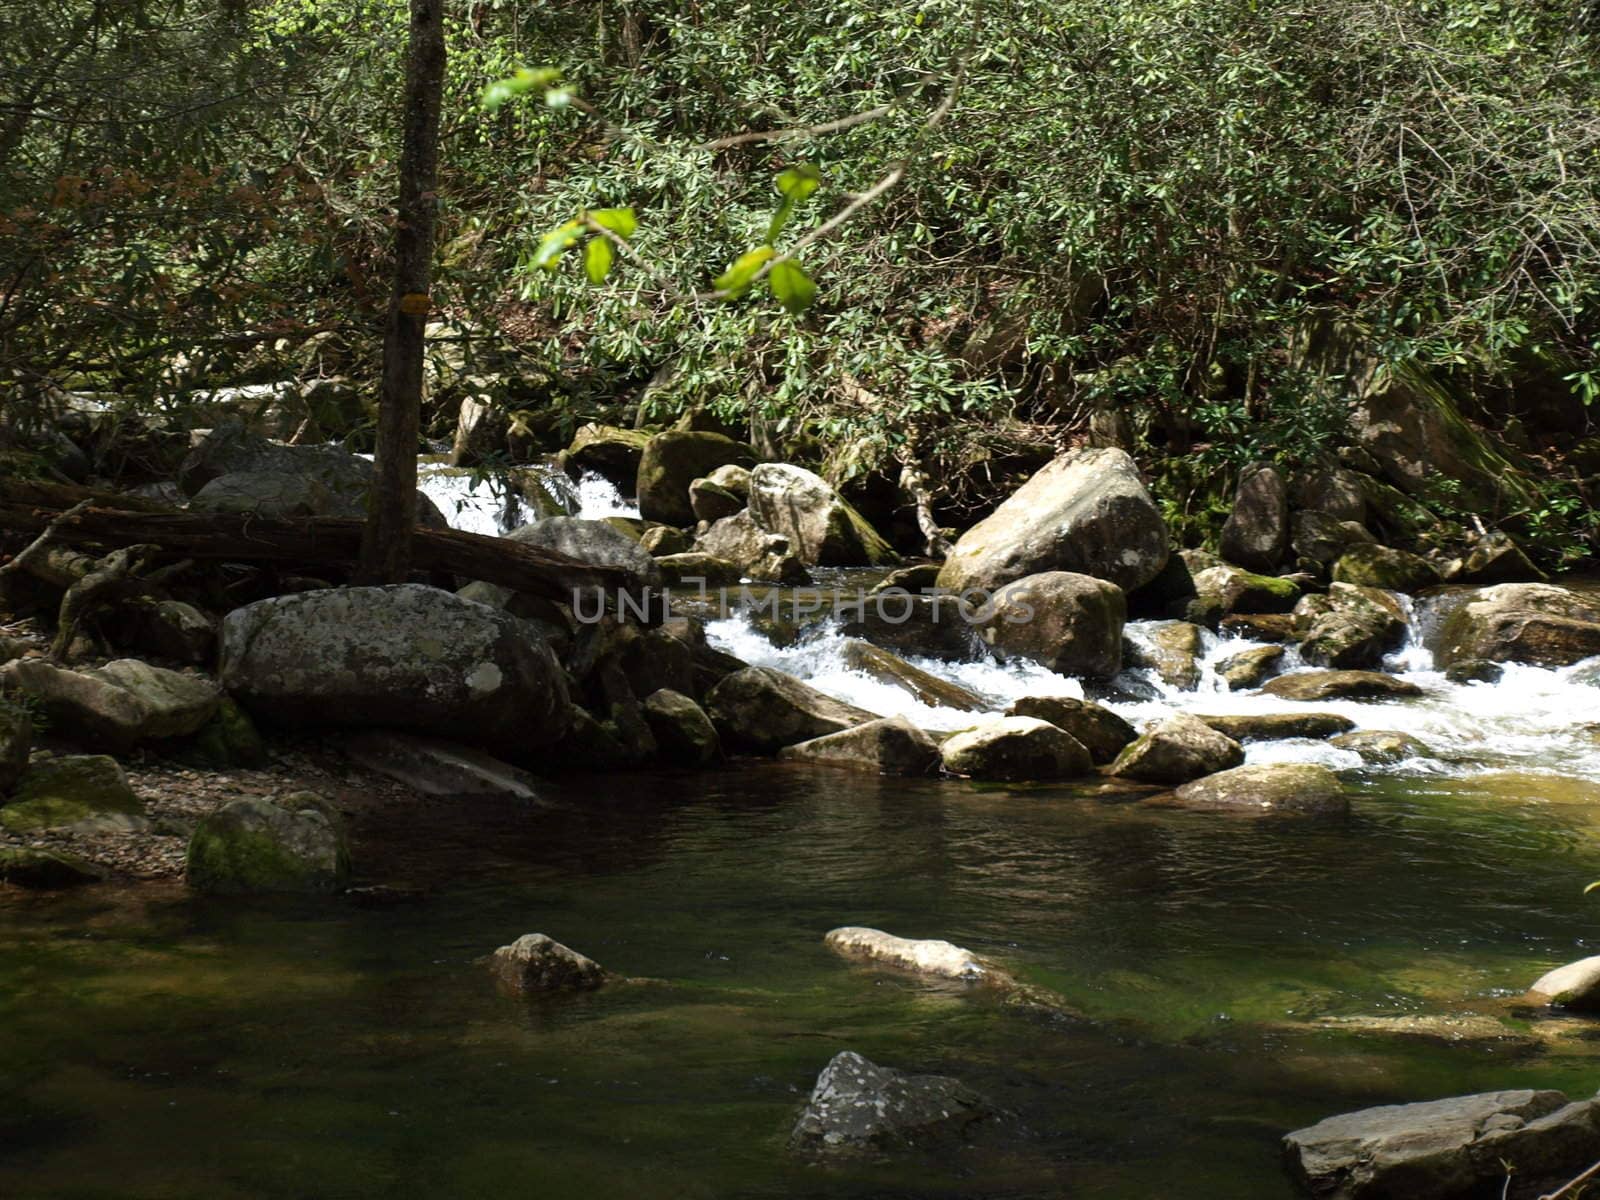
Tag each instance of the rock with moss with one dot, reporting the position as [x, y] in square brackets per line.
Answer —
[1221, 591]
[88, 792]
[117, 706]
[695, 570]
[1375, 566]
[1334, 492]
[258, 845]
[1264, 727]
[1102, 732]
[1340, 685]
[537, 964]
[1575, 986]
[1256, 533]
[661, 541]
[1271, 789]
[818, 523]
[764, 710]
[228, 741]
[1381, 747]
[711, 501]
[890, 746]
[671, 461]
[45, 870]
[1350, 627]
[1250, 668]
[756, 553]
[682, 730]
[1176, 750]
[16, 740]
[1171, 649]
[1067, 622]
[1535, 623]
[609, 452]
[1320, 539]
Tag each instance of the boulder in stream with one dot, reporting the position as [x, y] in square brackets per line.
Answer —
[922, 686]
[711, 501]
[924, 956]
[764, 710]
[1575, 986]
[1350, 627]
[1535, 623]
[609, 452]
[889, 746]
[1263, 727]
[1176, 750]
[858, 1106]
[536, 964]
[1016, 749]
[1446, 1149]
[594, 542]
[819, 525]
[1381, 747]
[1256, 533]
[1270, 789]
[1374, 566]
[1250, 668]
[683, 732]
[1221, 591]
[1101, 731]
[1321, 539]
[754, 552]
[117, 706]
[1066, 622]
[671, 461]
[258, 845]
[1171, 649]
[1306, 686]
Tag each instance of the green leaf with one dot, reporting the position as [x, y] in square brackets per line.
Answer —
[597, 259]
[524, 81]
[554, 242]
[792, 287]
[780, 219]
[799, 181]
[735, 281]
[620, 221]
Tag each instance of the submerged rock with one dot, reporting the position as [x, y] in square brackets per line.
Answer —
[116, 706]
[82, 791]
[893, 670]
[1535, 623]
[683, 732]
[1474, 670]
[890, 746]
[1445, 1149]
[1306, 686]
[1069, 623]
[1088, 512]
[1101, 731]
[820, 526]
[1575, 986]
[673, 460]
[1301, 789]
[764, 710]
[1256, 533]
[1016, 749]
[1176, 750]
[1350, 627]
[925, 956]
[1263, 727]
[45, 870]
[535, 964]
[858, 1106]
[436, 767]
[1377, 566]
[259, 845]
[1250, 668]
[16, 740]
[1381, 746]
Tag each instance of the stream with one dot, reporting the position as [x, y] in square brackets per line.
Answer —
[1236, 979]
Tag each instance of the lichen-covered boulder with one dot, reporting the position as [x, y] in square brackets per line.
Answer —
[16, 740]
[1016, 749]
[537, 964]
[888, 746]
[860, 1107]
[683, 732]
[1088, 512]
[764, 710]
[1535, 623]
[756, 553]
[1340, 685]
[1256, 533]
[671, 461]
[1374, 566]
[404, 656]
[1176, 750]
[1249, 668]
[1101, 731]
[819, 525]
[1349, 627]
[1070, 623]
[260, 845]
[117, 706]
[83, 791]
[1299, 789]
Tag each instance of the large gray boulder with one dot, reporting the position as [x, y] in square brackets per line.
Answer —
[1070, 623]
[889, 746]
[594, 542]
[260, 845]
[753, 551]
[1535, 623]
[1101, 731]
[673, 460]
[1273, 789]
[1465, 1146]
[1256, 533]
[117, 706]
[765, 710]
[1087, 512]
[820, 526]
[1176, 750]
[404, 656]
[1349, 627]
[860, 1107]
[1016, 749]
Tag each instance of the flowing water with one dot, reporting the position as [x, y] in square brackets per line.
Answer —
[1234, 979]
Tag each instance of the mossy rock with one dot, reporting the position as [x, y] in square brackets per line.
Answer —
[230, 739]
[1371, 565]
[16, 739]
[56, 793]
[256, 845]
[45, 870]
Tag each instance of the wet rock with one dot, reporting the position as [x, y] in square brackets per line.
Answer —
[711, 501]
[662, 541]
[1171, 649]
[117, 706]
[918, 578]
[1261, 727]
[1101, 731]
[925, 626]
[696, 572]
[682, 730]
[756, 553]
[1350, 627]
[673, 460]
[260, 845]
[1087, 512]
[73, 791]
[436, 767]
[1222, 591]
[890, 746]
[1260, 627]
[1445, 1149]
[1069, 623]
[925, 956]
[609, 452]
[818, 524]
[1250, 668]
[1306, 686]
[1381, 747]
[765, 710]
[536, 964]
[594, 542]
[1299, 789]
[228, 741]
[45, 870]
[1575, 986]
[1321, 539]
[1016, 749]
[1176, 750]
[16, 740]
[1474, 670]
[925, 688]
[1334, 492]
[1377, 566]
[399, 657]
[858, 1106]
[1535, 623]
[1256, 533]
[1496, 558]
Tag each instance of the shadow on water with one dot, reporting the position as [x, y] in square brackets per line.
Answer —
[159, 1046]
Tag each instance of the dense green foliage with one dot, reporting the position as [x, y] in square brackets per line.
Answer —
[1144, 206]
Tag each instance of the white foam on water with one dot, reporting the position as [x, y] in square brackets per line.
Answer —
[598, 497]
[473, 505]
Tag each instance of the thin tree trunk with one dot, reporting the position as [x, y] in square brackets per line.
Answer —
[386, 542]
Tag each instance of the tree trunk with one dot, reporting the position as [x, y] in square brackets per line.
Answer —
[386, 541]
